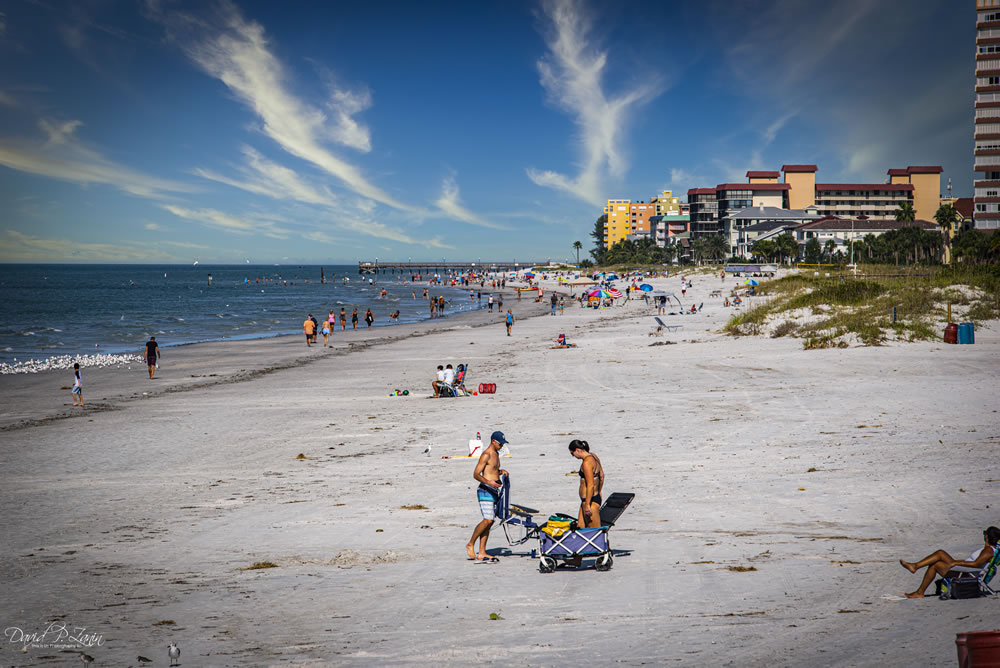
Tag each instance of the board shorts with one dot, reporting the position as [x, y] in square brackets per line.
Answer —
[78, 390]
[326, 330]
[488, 499]
[151, 360]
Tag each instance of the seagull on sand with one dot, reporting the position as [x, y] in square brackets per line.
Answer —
[86, 658]
[174, 653]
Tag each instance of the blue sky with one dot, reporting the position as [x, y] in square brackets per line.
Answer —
[163, 131]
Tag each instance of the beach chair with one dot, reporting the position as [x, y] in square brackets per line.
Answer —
[981, 576]
[457, 388]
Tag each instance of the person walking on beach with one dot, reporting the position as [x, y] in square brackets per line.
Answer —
[554, 301]
[77, 386]
[369, 318]
[308, 328]
[343, 319]
[152, 352]
[327, 324]
[354, 318]
[441, 304]
[510, 321]
[488, 474]
[489, 303]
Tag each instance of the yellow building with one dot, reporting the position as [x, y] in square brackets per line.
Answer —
[762, 176]
[666, 204]
[619, 221]
[802, 179]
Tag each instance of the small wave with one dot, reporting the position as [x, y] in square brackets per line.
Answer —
[27, 333]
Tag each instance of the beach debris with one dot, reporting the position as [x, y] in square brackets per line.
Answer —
[66, 362]
[260, 565]
[379, 530]
[741, 569]
[302, 456]
[495, 616]
[415, 506]
[164, 622]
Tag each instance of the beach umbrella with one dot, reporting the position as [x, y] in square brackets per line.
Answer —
[581, 280]
[615, 294]
[612, 277]
[750, 281]
[528, 274]
[646, 287]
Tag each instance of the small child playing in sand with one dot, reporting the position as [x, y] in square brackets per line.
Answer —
[77, 386]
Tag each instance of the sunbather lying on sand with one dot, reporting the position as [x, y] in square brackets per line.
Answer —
[941, 563]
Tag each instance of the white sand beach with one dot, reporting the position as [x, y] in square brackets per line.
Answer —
[776, 490]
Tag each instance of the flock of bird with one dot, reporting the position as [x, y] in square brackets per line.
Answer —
[66, 362]
[173, 651]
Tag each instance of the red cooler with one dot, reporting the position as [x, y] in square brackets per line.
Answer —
[951, 333]
[983, 648]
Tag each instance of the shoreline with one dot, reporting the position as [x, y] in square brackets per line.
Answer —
[203, 364]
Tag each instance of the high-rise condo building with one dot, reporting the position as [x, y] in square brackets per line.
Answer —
[987, 126]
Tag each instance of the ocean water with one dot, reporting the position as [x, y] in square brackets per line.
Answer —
[48, 310]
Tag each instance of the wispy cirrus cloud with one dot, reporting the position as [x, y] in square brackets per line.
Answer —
[228, 222]
[63, 156]
[265, 177]
[572, 74]
[236, 51]
[450, 204]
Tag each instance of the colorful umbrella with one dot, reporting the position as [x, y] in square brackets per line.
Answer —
[646, 287]
[750, 281]
[615, 294]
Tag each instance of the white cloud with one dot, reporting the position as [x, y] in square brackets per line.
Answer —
[450, 204]
[236, 51]
[264, 177]
[771, 132]
[571, 75]
[152, 227]
[229, 223]
[65, 158]
[344, 104]
[321, 237]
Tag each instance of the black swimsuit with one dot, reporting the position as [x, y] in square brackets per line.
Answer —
[596, 498]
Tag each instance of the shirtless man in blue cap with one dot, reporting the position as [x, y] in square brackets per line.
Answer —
[488, 474]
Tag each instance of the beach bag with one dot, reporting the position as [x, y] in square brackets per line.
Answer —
[948, 588]
[557, 526]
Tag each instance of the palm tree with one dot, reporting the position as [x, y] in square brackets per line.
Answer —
[905, 213]
[716, 246]
[577, 246]
[699, 246]
[946, 217]
[786, 245]
[828, 248]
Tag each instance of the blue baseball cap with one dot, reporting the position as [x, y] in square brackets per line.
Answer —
[498, 437]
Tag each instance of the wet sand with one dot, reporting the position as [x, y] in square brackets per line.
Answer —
[776, 489]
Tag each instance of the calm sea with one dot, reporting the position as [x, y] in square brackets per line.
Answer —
[48, 309]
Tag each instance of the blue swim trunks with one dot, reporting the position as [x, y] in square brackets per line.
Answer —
[488, 499]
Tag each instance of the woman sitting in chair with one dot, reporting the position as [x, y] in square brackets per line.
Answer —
[941, 563]
[591, 483]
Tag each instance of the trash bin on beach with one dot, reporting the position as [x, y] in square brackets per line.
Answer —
[978, 649]
[951, 333]
[966, 333]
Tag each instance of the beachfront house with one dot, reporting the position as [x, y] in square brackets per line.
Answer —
[738, 222]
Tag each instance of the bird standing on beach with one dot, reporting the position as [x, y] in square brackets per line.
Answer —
[428, 450]
[86, 658]
[143, 660]
[174, 652]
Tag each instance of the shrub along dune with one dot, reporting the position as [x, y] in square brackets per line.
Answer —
[843, 309]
